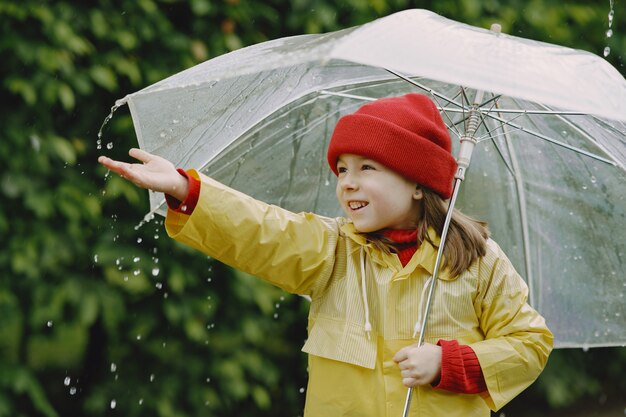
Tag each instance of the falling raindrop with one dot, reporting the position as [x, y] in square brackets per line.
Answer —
[151, 377]
[155, 272]
[158, 285]
[140, 401]
[72, 390]
[136, 272]
[113, 404]
[67, 381]
[138, 337]
[95, 258]
[113, 367]
[607, 51]
[136, 259]
[110, 145]
[609, 33]
[49, 324]
[302, 390]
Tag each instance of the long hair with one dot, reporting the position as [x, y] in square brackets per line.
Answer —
[466, 240]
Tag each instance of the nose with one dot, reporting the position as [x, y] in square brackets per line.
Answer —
[348, 182]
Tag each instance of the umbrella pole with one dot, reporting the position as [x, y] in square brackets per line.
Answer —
[468, 142]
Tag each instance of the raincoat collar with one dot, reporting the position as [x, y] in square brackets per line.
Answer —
[423, 258]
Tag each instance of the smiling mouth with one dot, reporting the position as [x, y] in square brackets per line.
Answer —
[357, 205]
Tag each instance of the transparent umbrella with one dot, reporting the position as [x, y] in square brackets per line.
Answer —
[548, 123]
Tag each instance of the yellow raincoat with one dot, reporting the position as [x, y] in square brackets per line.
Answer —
[351, 374]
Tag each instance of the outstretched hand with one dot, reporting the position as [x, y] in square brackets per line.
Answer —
[419, 365]
[154, 173]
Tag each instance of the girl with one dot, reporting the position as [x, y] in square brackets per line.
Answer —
[367, 274]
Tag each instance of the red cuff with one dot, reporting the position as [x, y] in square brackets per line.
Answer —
[189, 204]
[460, 369]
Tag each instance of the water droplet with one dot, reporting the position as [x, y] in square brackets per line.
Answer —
[139, 240]
[98, 144]
[610, 16]
[136, 272]
[136, 259]
[158, 285]
[67, 381]
[607, 51]
[113, 367]
[609, 33]
[95, 258]
[151, 377]
[49, 323]
[113, 404]
[138, 337]
[155, 272]
[140, 401]
[72, 390]
[593, 179]
[301, 390]
[110, 145]
[585, 348]
[275, 315]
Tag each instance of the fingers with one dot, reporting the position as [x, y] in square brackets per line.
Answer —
[123, 169]
[401, 355]
[140, 155]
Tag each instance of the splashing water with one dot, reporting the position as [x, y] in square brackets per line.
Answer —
[609, 31]
[105, 122]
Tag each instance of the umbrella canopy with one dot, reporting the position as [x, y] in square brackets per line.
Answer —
[548, 174]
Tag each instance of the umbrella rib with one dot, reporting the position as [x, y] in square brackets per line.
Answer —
[521, 199]
[423, 87]
[497, 146]
[553, 141]
[545, 112]
[346, 95]
[589, 138]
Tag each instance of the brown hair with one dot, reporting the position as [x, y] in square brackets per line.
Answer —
[466, 240]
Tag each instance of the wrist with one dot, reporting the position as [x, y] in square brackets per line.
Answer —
[180, 188]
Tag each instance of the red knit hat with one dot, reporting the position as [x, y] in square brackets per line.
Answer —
[406, 134]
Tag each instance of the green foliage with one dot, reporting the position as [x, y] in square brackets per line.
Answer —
[99, 316]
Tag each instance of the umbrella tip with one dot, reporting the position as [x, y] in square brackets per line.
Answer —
[496, 28]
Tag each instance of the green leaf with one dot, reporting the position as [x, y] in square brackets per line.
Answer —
[66, 96]
[104, 77]
[63, 149]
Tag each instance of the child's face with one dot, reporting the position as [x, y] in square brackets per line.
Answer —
[374, 197]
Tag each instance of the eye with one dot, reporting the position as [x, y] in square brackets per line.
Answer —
[366, 167]
[341, 170]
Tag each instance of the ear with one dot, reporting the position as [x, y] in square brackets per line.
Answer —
[418, 194]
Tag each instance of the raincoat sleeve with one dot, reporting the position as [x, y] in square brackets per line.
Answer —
[296, 252]
[517, 341]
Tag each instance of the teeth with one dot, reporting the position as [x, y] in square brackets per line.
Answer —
[355, 205]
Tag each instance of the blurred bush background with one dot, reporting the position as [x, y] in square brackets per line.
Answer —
[102, 315]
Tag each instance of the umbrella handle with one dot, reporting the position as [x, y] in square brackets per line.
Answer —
[431, 292]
